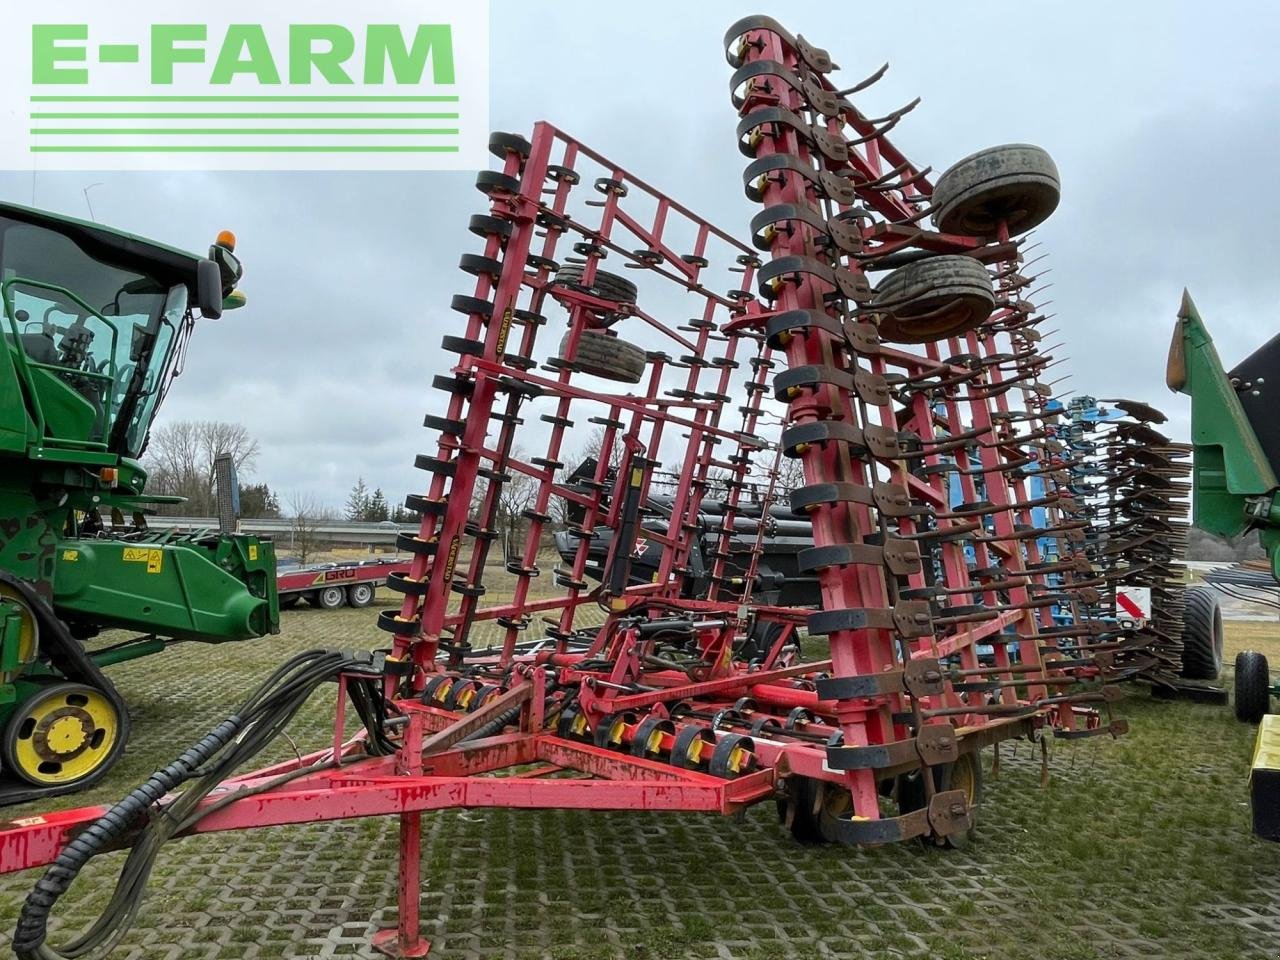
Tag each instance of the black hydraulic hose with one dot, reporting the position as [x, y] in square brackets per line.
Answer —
[262, 717]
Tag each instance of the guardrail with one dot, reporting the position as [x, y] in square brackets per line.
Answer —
[284, 529]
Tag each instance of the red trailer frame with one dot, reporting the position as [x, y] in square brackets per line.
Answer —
[658, 708]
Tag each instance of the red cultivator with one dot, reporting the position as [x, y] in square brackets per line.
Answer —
[914, 409]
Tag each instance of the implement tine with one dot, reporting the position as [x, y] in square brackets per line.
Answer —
[863, 84]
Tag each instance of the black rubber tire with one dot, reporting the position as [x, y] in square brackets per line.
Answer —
[1015, 182]
[934, 298]
[1202, 635]
[360, 594]
[821, 826]
[330, 598]
[602, 355]
[911, 795]
[605, 285]
[1253, 686]
[290, 600]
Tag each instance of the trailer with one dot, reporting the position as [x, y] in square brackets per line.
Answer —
[329, 586]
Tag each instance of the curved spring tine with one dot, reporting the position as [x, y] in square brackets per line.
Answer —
[896, 115]
[914, 218]
[878, 132]
[903, 167]
[863, 84]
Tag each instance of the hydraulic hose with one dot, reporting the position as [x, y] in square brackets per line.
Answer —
[232, 742]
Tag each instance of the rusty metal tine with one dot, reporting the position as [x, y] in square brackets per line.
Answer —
[863, 84]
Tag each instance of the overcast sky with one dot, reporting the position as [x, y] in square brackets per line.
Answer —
[1162, 117]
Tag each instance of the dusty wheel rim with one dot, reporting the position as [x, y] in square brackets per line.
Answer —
[331, 597]
[61, 735]
[1015, 183]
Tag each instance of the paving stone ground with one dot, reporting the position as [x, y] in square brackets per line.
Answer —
[1137, 848]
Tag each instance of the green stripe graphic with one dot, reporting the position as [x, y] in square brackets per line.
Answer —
[317, 115]
[242, 148]
[241, 99]
[239, 131]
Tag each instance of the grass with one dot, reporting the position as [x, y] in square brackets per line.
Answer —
[1138, 847]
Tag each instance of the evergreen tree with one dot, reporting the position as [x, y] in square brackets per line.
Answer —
[377, 510]
[358, 501]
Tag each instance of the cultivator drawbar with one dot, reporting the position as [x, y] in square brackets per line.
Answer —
[878, 330]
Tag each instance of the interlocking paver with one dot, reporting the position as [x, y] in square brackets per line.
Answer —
[1052, 872]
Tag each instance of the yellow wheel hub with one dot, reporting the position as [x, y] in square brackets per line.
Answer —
[61, 735]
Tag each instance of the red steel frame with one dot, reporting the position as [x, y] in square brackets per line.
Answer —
[612, 715]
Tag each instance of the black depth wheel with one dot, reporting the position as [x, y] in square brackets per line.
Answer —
[1202, 635]
[965, 774]
[1253, 686]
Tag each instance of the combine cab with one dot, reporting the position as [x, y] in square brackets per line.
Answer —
[96, 323]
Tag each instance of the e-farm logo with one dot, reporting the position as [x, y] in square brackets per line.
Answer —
[318, 85]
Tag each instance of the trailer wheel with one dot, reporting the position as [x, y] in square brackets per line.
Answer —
[934, 298]
[290, 600]
[1253, 686]
[1016, 182]
[965, 773]
[330, 598]
[360, 594]
[603, 355]
[1202, 635]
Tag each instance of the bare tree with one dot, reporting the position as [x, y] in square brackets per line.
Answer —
[514, 497]
[181, 454]
[593, 447]
[306, 514]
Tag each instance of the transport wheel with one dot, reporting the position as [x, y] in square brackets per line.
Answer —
[1253, 686]
[965, 773]
[28, 628]
[330, 598]
[1202, 635]
[63, 734]
[934, 298]
[814, 820]
[290, 600]
[1016, 182]
[360, 594]
[603, 355]
[605, 285]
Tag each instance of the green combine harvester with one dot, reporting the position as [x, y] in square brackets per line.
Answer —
[96, 325]
[1235, 433]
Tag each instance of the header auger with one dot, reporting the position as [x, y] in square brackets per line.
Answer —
[876, 329]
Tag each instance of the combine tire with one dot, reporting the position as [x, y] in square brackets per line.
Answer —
[934, 298]
[603, 355]
[1253, 686]
[606, 286]
[330, 598]
[1202, 635]
[360, 594]
[1016, 183]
